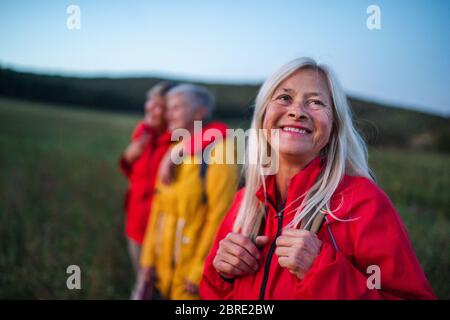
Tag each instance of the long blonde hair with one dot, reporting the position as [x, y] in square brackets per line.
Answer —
[346, 153]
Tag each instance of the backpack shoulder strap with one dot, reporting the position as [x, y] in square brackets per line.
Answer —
[203, 168]
[315, 225]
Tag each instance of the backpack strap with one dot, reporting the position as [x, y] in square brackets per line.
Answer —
[203, 168]
[315, 225]
[333, 240]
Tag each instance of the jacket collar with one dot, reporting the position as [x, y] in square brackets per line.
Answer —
[298, 186]
[200, 140]
[164, 139]
[157, 138]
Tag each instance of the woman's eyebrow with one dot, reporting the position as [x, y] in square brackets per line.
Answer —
[285, 90]
[288, 90]
[312, 94]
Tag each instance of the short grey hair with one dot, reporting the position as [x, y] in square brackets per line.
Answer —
[199, 96]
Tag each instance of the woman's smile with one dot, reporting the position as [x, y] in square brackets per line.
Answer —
[295, 131]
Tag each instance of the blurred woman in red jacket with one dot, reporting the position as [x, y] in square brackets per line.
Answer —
[140, 162]
[320, 227]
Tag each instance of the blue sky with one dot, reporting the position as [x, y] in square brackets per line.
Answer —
[406, 62]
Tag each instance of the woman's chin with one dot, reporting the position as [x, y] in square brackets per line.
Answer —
[294, 149]
[296, 152]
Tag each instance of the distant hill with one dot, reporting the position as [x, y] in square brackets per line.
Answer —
[381, 125]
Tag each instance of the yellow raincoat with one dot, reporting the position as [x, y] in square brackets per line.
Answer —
[184, 220]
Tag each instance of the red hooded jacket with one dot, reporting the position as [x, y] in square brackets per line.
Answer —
[141, 175]
[340, 271]
[143, 171]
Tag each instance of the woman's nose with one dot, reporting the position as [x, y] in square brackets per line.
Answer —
[297, 111]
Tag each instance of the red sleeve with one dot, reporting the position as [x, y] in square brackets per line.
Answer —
[378, 238]
[212, 286]
[138, 130]
[124, 166]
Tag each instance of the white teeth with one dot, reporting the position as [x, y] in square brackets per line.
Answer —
[303, 131]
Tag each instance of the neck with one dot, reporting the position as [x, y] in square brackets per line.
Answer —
[289, 166]
[159, 129]
[195, 129]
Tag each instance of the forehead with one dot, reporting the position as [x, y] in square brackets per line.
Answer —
[156, 99]
[304, 81]
[177, 98]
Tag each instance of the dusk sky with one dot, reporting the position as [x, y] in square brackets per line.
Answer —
[406, 62]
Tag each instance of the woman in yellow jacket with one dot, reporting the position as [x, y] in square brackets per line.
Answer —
[187, 212]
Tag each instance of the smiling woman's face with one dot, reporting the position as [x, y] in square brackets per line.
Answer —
[154, 112]
[301, 109]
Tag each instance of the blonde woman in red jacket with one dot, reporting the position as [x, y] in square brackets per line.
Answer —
[320, 227]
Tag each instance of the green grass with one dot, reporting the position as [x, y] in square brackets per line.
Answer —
[61, 202]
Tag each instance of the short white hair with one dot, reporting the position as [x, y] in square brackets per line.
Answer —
[199, 96]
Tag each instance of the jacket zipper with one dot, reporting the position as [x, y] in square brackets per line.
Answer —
[270, 255]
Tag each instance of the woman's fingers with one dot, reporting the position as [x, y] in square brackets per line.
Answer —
[238, 263]
[297, 238]
[261, 241]
[245, 243]
[297, 250]
[144, 139]
[284, 241]
[226, 268]
[284, 262]
[296, 232]
[240, 254]
[237, 255]
[283, 251]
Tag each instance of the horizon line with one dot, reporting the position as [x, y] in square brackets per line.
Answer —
[162, 75]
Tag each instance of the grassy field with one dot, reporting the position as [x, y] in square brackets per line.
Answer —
[61, 202]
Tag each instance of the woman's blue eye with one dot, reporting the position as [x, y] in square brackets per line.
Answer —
[284, 98]
[316, 102]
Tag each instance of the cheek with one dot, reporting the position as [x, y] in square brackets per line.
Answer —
[323, 122]
[182, 116]
[149, 106]
[271, 117]
[159, 111]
